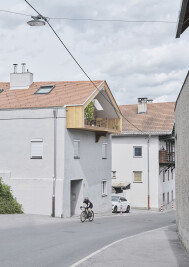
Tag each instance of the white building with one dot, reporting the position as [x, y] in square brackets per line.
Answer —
[49, 152]
[143, 159]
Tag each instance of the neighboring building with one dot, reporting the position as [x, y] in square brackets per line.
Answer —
[182, 159]
[143, 160]
[49, 151]
[182, 141]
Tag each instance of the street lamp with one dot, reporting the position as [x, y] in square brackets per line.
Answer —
[36, 21]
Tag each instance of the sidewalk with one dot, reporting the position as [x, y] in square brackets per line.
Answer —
[160, 247]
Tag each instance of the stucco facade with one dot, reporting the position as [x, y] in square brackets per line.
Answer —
[32, 179]
[125, 164]
[182, 166]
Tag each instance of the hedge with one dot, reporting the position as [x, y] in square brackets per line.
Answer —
[8, 204]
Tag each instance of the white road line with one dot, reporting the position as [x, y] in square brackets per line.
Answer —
[113, 243]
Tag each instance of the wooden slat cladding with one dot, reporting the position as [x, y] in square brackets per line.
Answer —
[75, 117]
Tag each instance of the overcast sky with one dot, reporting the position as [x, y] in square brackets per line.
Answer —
[136, 59]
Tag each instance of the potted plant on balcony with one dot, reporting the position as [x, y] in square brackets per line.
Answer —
[89, 113]
[116, 126]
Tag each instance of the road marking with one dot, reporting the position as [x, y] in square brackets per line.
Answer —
[115, 242]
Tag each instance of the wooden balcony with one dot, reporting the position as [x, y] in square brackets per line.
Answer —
[100, 124]
[75, 120]
[166, 158]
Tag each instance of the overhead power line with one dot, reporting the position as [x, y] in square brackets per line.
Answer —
[96, 20]
[117, 111]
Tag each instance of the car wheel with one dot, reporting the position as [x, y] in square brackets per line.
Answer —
[115, 209]
[128, 209]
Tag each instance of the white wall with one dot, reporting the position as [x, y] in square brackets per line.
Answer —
[165, 187]
[90, 168]
[124, 164]
[31, 179]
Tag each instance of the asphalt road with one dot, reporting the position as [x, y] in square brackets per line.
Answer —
[35, 241]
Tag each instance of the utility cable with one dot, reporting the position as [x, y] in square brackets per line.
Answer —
[117, 111]
[95, 20]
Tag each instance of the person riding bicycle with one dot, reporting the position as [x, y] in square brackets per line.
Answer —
[89, 204]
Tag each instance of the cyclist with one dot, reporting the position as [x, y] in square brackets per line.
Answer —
[89, 205]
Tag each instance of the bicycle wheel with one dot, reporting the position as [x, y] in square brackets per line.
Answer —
[83, 216]
[91, 217]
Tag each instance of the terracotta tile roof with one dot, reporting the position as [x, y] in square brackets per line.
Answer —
[64, 93]
[159, 118]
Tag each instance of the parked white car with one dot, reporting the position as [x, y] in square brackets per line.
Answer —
[117, 202]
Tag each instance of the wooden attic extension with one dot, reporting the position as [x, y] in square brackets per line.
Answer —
[106, 116]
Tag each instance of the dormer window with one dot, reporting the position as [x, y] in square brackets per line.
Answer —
[45, 89]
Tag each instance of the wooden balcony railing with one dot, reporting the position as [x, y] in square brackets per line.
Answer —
[165, 157]
[104, 123]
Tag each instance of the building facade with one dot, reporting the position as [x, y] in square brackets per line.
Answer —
[143, 158]
[182, 167]
[51, 155]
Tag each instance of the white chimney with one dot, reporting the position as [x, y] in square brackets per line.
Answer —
[142, 105]
[21, 80]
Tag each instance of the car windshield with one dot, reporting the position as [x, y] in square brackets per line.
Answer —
[115, 198]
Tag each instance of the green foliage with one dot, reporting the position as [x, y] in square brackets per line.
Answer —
[89, 112]
[8, 204]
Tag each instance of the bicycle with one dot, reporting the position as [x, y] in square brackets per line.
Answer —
[86, 215]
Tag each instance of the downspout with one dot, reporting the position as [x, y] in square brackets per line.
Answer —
[54, 176]
[148, 171]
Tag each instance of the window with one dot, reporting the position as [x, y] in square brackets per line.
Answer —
[163, 197]
[172, 195]
[113, 174]
[168, 198]
[137, 151]
[172, 174]
[44, 89]
[36, 148]
[137, 177]
[163, 176]
[104, 188]
[76, 149]
[104, 151]
[168, 174]
[123, 199]
[1, 90]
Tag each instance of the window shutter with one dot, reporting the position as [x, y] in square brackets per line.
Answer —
[104, 151]
[76, 149]
[37, 149]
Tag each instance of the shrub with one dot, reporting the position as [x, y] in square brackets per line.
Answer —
[8, 204]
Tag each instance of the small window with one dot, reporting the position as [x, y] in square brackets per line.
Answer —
[104, 188]
[172, 174]
[104, 150]
[168, 198]
[76, 149]
[137, 151]
[36, 148]
[113, 174]
[163, 176]
[137, 177]
[163, 197]
[45, 89]
[172, 195]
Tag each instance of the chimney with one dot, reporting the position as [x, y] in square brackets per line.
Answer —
[21, 80]
[143, 104]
